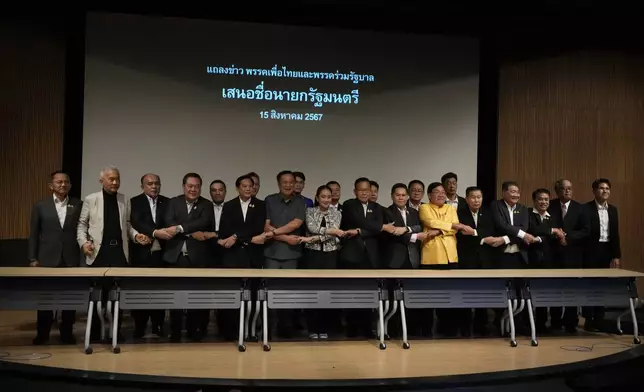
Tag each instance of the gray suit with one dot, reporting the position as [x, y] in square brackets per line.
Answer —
[49, 243]
[90, 223]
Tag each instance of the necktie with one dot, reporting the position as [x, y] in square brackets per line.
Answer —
[154, 211]
[564, 210]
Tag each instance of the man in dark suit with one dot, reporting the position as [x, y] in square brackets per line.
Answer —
[543, 227]
[147, 214]
[52, 243]
[336, 193]
[416, 194]
[188, 217]
[362, 221]
[571, 217]
[511, 223]
[242, 238]
[476, 251]
[450, 183]
[401, 250]
[603, 248]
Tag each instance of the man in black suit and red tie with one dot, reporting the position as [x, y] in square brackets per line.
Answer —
[603, 248]
[571, 217]
[52, 243]
[242, 237]
[147, 216]
[188, 218]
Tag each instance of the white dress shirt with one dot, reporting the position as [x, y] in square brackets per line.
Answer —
[244, 207]
[153, 210]
[602, 210]
[403, 212]
[513, 248]
[217, 208]
[61, 209]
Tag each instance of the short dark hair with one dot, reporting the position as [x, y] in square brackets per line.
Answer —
[471, 189]
[333, 183]
[359, 180]
[284, 173]
[301, 175]
[239, 180]
[433, 186]
[419, 182]
[398, 186]
[149, 174]
[447, 176]
[191, 175]
[599, 181]
[507, 184]
[217, 182]
[539, 191]
[54, 173]
[253, 174]
[373, 183]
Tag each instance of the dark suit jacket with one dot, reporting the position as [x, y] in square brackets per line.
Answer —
[540, 254]
[243, 254]
[471, 254]
[397, 249]
[201, 218]
[353, 217]
[48, 242]
[141, 221]
[462, 205]
[503, 227]
[593, 238]
[576, 225]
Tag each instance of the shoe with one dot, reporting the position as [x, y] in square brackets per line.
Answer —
[313, 336]
[157, 330]
[68, 339]
[571, 329]
[40, 340]
[323, 336]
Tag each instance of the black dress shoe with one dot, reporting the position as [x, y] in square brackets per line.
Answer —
[68, 339]
[40, 340]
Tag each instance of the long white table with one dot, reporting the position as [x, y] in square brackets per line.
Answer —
[176, 288]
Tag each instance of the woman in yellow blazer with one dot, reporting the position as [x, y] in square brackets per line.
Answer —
[439, 252]
[440, 220]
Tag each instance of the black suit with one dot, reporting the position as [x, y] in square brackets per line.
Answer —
[600, 254]
[54, 246]
[399, 251]
[505, 227]
[474, 255]
[361, 251]
[471, 254]
[576, 225]
[243, 254]
[462, 205]
[200, 218]
[143, 222]
[540, 255]
[199, 254]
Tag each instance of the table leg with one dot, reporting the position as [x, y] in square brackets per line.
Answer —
[381, 323]
[88, 327]
[267, 347]
[115, 328]
[253, 327]
[636, 338]
[240, 345]
[249, 311]
[101, 317]
[513, 340]
[533, 330]
[403, 319]
[394, 308]
[110, 318]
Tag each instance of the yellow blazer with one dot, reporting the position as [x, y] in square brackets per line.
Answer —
[442, 248]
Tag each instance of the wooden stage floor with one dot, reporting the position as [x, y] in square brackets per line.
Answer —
[333, 360]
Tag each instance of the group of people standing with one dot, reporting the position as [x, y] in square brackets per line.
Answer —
[286, 230]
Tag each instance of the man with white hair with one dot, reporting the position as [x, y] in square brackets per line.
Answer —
[104, 226]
